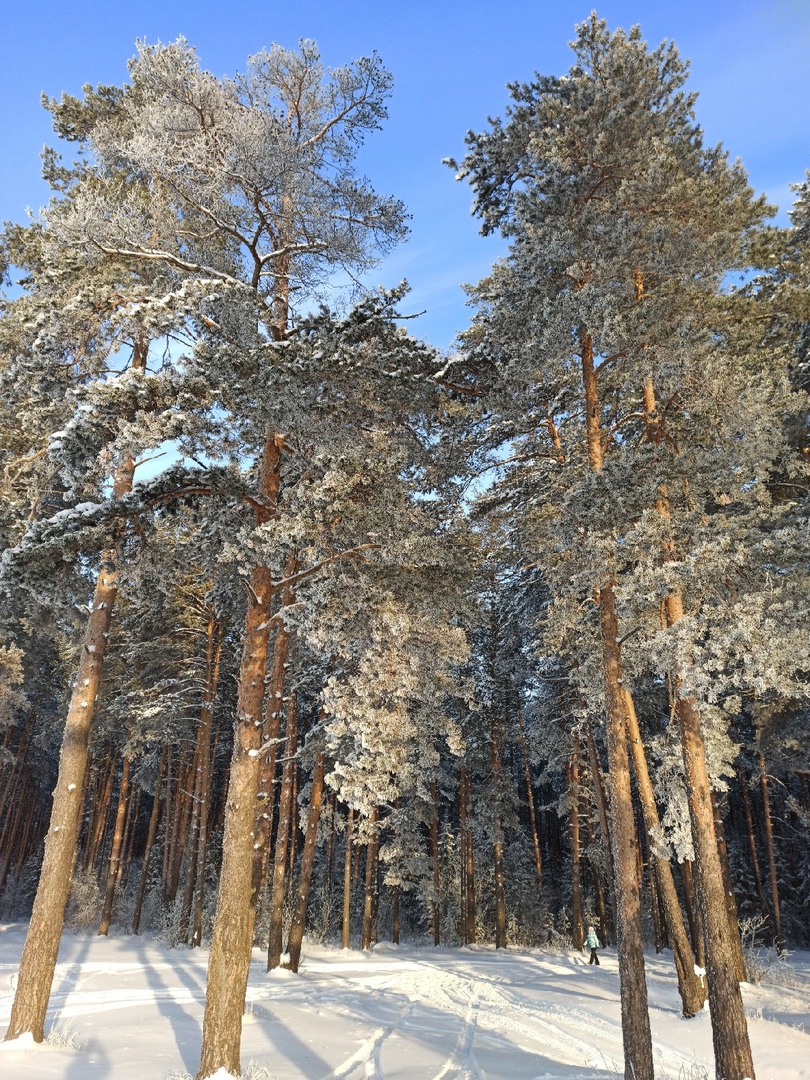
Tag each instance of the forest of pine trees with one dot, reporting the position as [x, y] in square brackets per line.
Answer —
[390, 644]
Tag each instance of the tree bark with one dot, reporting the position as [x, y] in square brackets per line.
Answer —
[538, 855]
[275, 935]
[267, 769]
[150, 843]
[434, 855]
[41, 948]
[752, 848]
[766, 810]
[231, 944]
[299, 920]
[115, 850]
[101, 801]
[732, 1050]
[469, 908]
[202, 770]
[395, 927]
[690, 986]
[371, 871]
[728, 888]
[693, 916]
[500, 890]
[204, 794]
[347, 882]
[636, 1035]
[577, 921]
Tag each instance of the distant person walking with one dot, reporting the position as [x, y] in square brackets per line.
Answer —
[593, 943]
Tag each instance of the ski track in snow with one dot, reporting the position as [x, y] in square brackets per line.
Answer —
[393, 1014]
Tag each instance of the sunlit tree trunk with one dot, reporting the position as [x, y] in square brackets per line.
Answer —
[690, 986]
[636, 1035]
[231, 943]
[732, 1050]
[267, 771]
[41, 948]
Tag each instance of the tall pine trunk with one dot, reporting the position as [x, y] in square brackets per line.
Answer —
[766, 810]
[752, 847]
[204, 793]
[285, 821]
[372, 849]
[498, 868]
[690, 986]
[115, 850]
[636, 1035]
[267, 770]
[434, 855]
[538, 855]
[231, 942]
[732, 1049]
[577, 921]
[299, 920]
[41, 948]
[347, 883]
[150, 843]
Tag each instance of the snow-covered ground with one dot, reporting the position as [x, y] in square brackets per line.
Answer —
[130, 1008]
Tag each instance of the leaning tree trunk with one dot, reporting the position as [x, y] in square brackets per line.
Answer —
[732, 1049]
[41, 948]
[299, 920]
[231, 944]
[690, 986]
[636, 1035]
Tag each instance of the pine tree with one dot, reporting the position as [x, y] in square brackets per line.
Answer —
[622, 225]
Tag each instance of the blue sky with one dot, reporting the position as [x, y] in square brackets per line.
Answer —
[450, 60]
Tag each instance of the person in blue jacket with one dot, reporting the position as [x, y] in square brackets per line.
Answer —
[593, 943]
